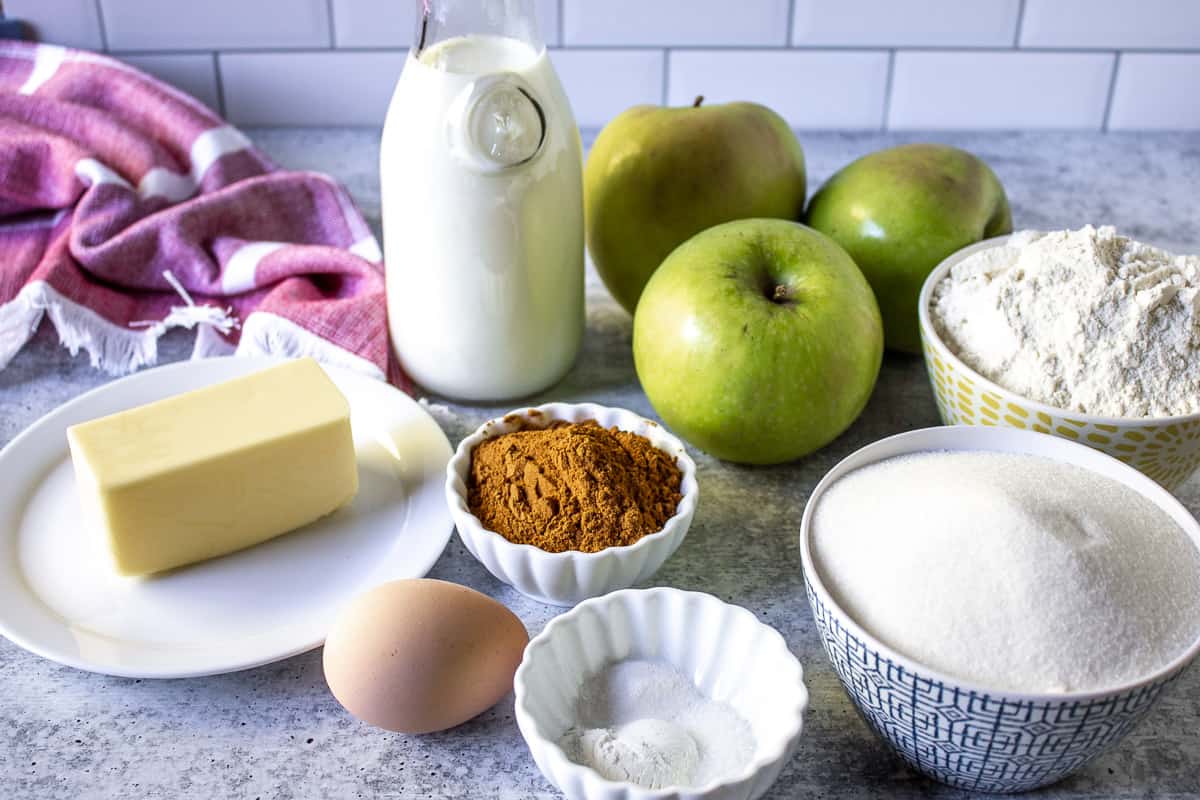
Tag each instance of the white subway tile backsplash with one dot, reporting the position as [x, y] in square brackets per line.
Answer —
[390, 23]
[373, 23]
[859, 64]
[826, 89]
[905, 23]
[602, 83]
[74, 23]
[675, 22]
[1111, 23]
[309, 88]
[212, 24]
[1156, 91]
[194, 73]
[982, 90]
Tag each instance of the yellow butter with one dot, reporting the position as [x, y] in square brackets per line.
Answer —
[218, 469]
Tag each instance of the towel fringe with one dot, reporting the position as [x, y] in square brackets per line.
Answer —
[110, 347]
[267, 334]
[118, 350]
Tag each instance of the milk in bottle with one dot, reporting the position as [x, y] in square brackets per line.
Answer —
[481, 175]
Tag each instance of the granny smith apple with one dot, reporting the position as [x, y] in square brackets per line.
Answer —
[758, 340]
[899, 212]
[656, 176]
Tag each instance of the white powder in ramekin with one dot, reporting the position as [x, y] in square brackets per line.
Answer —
[1082, 320]
[1011, 571]
[645, 722]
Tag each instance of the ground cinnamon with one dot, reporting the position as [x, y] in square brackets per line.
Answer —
[572, 486]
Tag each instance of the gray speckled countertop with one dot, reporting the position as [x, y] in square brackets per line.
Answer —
[276, 732]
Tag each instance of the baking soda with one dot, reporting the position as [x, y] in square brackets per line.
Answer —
[644, 722]
[1010, 571]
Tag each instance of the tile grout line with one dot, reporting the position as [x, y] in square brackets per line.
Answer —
[332, 24]
[887, 90]
[562, 27]
[1020, 24]
[103, 27]
[1112, 90]
[790, 38]
[694, 48]
[216, 61]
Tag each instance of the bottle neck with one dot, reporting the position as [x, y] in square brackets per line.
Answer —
[438, 20]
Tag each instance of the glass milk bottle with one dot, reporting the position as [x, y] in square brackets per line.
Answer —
[481, 177]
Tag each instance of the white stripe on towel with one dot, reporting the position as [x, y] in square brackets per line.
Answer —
[162, 182]
[208, 147]
[93, 173]
[212, 144]
[367, 248]
[239, 273]
[46, 61]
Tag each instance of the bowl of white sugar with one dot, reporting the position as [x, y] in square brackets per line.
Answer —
[1084, 334]
[660, 693]
[1000, 605]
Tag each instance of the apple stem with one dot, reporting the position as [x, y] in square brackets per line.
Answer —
[699, 99]
[780, 295]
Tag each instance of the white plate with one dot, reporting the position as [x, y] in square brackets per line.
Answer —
[59, 597]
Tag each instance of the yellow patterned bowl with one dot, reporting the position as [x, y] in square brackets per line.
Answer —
[1166, 449]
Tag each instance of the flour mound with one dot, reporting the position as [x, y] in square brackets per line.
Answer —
[1082, 320]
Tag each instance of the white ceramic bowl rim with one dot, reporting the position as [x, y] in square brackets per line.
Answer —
[552, 412]
[926, 323]
[1150, 490]
[774, 753]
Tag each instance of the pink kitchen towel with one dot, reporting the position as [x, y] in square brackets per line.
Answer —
[128, 208]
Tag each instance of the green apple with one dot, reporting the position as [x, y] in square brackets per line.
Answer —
[758, 341]
[656, 176]
[899, 212]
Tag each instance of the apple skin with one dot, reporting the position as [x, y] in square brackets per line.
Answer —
[899, 212]
[656, 176]
[758, 341]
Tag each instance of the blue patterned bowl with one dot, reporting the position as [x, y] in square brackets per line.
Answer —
[966, 735]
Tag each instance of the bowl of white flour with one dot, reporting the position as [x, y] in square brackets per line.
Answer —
[1085, 334]
[1001, 606]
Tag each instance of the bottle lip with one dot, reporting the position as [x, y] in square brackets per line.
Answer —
[439, 20]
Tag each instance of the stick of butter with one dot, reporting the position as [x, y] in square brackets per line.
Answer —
[218, 469]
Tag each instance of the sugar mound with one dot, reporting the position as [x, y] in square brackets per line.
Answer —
[1011, 571]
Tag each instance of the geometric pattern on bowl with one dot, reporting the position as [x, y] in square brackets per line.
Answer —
[975, 740]
[1167, 449]
[1168, 452]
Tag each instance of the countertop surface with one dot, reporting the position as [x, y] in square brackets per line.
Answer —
[276, 732]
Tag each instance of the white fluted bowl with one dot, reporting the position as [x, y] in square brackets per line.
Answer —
[729, 655]
[563, 579]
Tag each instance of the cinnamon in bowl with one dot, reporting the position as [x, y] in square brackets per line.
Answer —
[567, 501]
[573, 486]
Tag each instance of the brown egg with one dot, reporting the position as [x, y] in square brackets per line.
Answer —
[422, 655]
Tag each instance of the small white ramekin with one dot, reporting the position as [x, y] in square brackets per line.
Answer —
[730, 655]
[563, 579]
